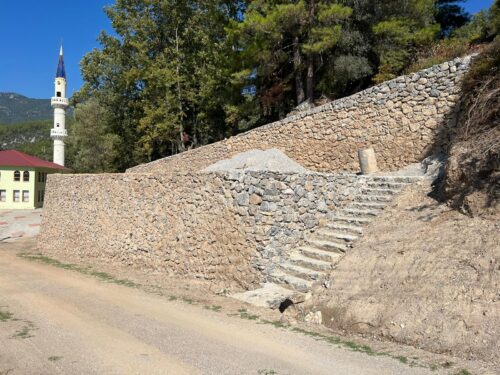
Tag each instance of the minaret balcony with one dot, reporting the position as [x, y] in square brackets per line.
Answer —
[58, 102]
[58, 133]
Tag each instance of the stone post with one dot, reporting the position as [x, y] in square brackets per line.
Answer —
[367, 161]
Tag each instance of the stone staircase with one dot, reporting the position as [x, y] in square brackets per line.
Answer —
[323, 249]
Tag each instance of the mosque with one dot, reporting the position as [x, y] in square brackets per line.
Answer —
[22, 176]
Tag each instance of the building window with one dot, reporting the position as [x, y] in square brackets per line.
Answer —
[26, 176]
[58, 94]
[3, 195]
[39, 177]
[43, 176]
[43, 195]
[26, 196]
[16, 196]
[17, 176]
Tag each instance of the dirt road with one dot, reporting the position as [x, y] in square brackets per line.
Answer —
[56, 321]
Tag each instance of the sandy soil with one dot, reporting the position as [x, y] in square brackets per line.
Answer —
[423, 275]
[57, 321]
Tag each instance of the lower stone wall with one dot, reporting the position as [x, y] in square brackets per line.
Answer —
[404, 120]
[228, 228]
[278, 210]
[174, 225]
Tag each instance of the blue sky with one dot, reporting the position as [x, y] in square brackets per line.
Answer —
[31, 31]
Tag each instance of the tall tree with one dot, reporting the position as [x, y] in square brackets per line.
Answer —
[450, 15]
[91, 146]
[162, 78]
[405, 26]
[285, 41]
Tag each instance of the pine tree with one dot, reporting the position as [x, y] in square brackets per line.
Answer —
[285, 41]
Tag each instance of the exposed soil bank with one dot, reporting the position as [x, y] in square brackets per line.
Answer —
[423, 275]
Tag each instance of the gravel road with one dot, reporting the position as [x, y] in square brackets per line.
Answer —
[56, 321]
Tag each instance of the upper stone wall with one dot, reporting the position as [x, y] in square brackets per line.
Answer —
[405, 120]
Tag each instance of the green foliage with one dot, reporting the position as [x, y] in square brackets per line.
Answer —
[91, 146]
[286, 41]
[172, 78]
[478, 30]
[30, 137]
[440, 52]
[411, 27]
[450, 15]
[163, 79]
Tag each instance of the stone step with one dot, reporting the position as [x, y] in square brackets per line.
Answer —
[349, 228]
[387, 185]
[352, 219]
[334, 235]
[327, 245]
[302, 272]
[373, 191]
[314, 264]
[369, 205]
[327, 256]
[359, 212]
[294, 282]
[403, 179]
[375, 198]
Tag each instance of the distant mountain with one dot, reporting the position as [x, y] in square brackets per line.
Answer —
[15, 108]
[31, 137]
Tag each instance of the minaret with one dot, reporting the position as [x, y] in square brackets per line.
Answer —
[59, 102]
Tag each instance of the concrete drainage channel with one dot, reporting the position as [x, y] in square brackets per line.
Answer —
[313, 261]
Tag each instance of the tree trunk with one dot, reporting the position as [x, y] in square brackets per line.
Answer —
[179, 96]
[310, 60]
[310, 80]
[297, 65]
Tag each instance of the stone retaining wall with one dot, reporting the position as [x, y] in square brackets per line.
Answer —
[229, 228]
[405, 120]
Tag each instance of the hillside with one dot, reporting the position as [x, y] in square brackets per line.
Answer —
[423, 275]
[15, 108]
[30, 137]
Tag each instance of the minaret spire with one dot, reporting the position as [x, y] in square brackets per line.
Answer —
[59, 102]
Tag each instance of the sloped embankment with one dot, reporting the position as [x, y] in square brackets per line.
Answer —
[423, 275]
[472, 180]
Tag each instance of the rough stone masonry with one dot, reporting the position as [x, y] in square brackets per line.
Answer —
[233, 228]
[404, 120]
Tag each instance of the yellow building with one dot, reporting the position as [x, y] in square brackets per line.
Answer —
[23, 178]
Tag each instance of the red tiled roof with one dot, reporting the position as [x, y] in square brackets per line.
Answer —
[14, 158]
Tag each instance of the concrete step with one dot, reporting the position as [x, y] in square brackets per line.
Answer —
[373, 191]
[334, 235]
[360, 213]
[348, 228]
[327, 245]
[314, 264]
[293, 282]
[368, 205]
[302, 272]
[327, 256]
[352, 219]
